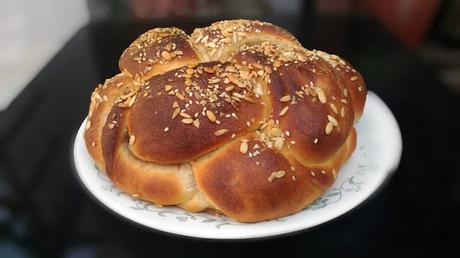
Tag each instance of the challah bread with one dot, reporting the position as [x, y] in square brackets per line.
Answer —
[237, 118]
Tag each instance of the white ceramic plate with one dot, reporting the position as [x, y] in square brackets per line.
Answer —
[376, 156]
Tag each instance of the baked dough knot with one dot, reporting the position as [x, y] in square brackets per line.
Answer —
[237, 118]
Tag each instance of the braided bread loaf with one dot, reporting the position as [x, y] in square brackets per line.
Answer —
[237, 118]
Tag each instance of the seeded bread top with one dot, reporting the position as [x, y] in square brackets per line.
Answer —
[235, 86]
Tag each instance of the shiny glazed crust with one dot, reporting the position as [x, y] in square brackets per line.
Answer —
[236, 118]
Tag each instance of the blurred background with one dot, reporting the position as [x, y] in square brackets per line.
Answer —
[54, 52]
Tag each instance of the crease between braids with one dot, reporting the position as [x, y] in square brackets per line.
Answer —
[225, 80]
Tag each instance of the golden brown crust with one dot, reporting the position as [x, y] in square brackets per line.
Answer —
[243, 187]
[238, 118]
[102, 100]
[172, 124]
[157, 51]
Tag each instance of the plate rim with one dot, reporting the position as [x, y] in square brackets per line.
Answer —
[393, 165]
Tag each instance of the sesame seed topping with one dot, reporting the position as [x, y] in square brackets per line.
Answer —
[334, 108]
[166, 129]
[312, 173]
[132, 139]
[220, 132]
[328, 128]
[321, 95]
[353, 78]
[210, 115]
[342, 111]
[229, 88]
[168, 88]
[187, 121]
[209, 69]
[316, 140]
[284, 111]
[332, 120]
[244, 147]
[279, 143]
[179, 96]
[175, 113]
[166, 55]
[182, 114]
[285, 98]
[276, 174]
[196, 123]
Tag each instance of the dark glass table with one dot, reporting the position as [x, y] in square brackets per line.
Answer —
[44, 212]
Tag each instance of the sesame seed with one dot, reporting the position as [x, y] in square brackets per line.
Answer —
[132, 139]
[168, 88]
[285, 98]
[279, 142]
[342, 111]
[275, 132]
[312, 173]
[131, 101]
[332, 120]
[244, 147]
[88, 124]
[166, 55]
[280, 174]
[182, 114]
[321, 95]
[209, 69]
[316, 140]
[344, 101]
[323, 172]
[328, 128]
[220, 132]
[187, 121]
[334, 108]
[210, 115]
[175, 113]
[196, 123]
[267, 69]
[179, 96]
[93, 144]
[166, 129]
[293, 178]
[284, 111]
[353, 78]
